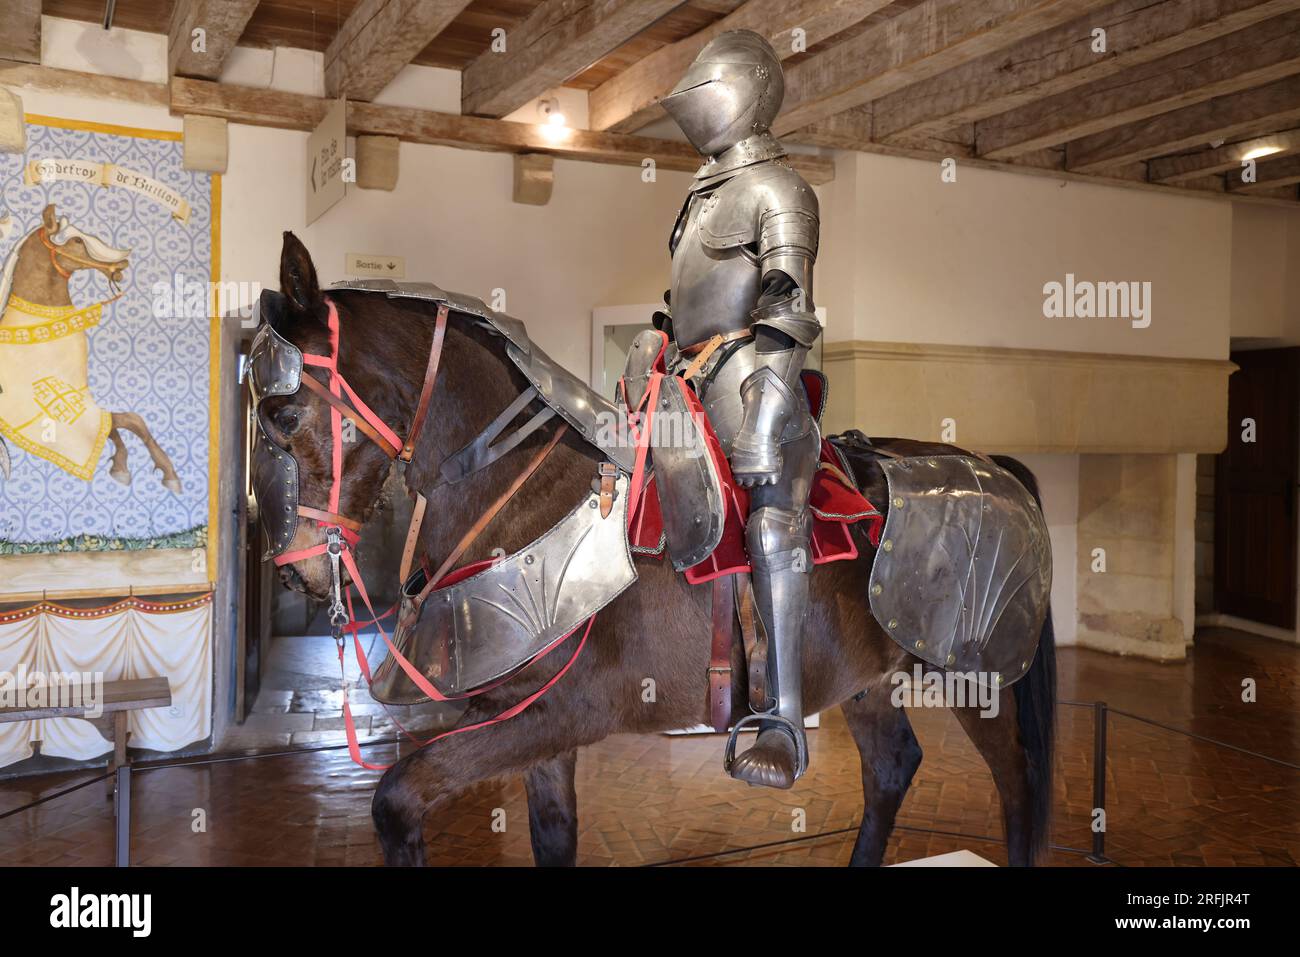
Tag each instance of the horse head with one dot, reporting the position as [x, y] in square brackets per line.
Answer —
[301, 490]
[71, 249]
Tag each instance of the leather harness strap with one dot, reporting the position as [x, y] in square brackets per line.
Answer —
[486, 518]
[430, 377]
[724, 616]
[412, 537]
[608, 472]
[315, 385]
[329, 518]
[721, 338]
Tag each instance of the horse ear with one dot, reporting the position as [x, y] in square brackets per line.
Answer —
[298, 276]
[49, 220]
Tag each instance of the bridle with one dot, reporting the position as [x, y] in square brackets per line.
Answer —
[341, 532]
[56, 251]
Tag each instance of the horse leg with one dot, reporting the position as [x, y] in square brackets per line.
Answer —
[133, 423]
[118, 468]
[890, 756]
[553, 811]
[997, 738]
[429, 779]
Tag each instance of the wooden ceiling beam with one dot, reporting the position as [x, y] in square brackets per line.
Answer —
[1248, 58]
[222, 23]
[259, 107]
[20, 39]
[1236, 115]
[1190, 166]
[560, 39]
[378, 39]
[48, 79]
[1136, 32]
[931, 38]
[630, 100]
[1268, 175]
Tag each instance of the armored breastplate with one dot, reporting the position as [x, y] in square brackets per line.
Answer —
[715, 279]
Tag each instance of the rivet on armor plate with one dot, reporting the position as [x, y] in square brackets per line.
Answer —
[920, 643]
[999, 679]
[952, 659]
[898, 502]
[933, 464]
[893, 623]
[528, 559]
[876, 589]
[887, 545]
[1024, 665]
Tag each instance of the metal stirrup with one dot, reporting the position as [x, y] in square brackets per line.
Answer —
[796, 732]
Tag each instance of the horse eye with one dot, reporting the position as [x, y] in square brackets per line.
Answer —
[288, 421]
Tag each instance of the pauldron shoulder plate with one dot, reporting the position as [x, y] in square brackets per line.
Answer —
[766, 201]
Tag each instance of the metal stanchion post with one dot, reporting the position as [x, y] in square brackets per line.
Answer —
[1098, 855]
[122, 817]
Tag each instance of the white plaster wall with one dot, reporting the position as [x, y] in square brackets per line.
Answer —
[1258, 271]
[964, 263]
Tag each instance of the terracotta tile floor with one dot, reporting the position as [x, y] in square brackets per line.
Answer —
[1172, 799]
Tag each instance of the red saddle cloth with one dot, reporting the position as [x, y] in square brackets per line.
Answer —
[834, 502]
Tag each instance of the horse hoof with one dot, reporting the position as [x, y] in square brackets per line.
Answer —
[172, 485]
[120, 475]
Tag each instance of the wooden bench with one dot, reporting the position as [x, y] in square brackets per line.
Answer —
[118, 698]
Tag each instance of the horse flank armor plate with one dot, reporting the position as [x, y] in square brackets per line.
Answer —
[963, 574]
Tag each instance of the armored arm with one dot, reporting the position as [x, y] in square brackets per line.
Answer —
[785, 327]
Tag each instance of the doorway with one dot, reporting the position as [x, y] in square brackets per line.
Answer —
[1255, 484]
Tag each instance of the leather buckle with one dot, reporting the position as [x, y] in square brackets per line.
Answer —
[608, 473]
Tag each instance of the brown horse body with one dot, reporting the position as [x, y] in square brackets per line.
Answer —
[384, 345]
[41, 276]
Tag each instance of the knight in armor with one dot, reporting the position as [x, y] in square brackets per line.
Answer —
[742, 262]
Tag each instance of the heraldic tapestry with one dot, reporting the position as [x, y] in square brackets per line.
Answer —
[109, 250]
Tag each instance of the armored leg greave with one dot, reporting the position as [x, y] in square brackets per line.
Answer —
[779, 538]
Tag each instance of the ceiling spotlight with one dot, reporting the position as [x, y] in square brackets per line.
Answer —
[548, 108]
[1261, 151]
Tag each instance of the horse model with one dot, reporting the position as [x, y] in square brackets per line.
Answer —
[657, 627]
[45, 403]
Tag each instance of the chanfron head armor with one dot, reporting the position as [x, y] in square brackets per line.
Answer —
[274, 368]
[732, 91]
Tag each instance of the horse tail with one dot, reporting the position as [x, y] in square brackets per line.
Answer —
[1036, 703]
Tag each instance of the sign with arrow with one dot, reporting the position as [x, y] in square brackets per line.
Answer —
[375, 267]
[326, 150]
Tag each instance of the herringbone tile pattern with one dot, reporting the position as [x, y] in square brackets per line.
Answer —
[1171, 799]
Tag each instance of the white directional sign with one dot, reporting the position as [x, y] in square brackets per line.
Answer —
[326, 150]
[382, 267]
